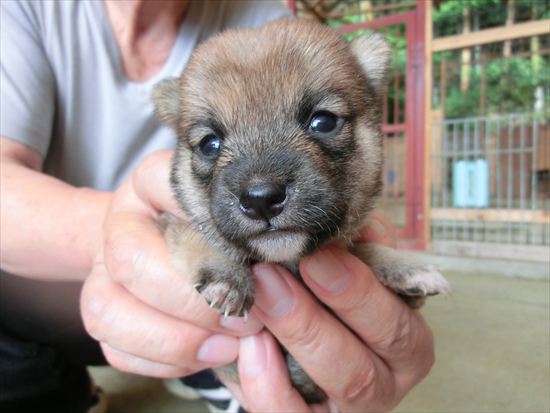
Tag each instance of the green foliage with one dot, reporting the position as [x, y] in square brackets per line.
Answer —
[510, 83]
[483, 14]
[510, 87]
[448, 18]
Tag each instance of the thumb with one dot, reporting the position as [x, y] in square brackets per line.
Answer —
[264, 377]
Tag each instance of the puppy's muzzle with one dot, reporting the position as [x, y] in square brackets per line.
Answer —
[263, 200]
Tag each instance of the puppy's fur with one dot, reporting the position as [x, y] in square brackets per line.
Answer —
[258, 91]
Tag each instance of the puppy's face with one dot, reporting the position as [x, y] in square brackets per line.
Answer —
[279, 145]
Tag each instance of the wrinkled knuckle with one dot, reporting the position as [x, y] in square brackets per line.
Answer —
[400, 337]
[94, 314]
[174, 348]
[357, 386]
[356, 301]
[123, 256]
[92, 326]
[118, 362]
[306, 334]
[94, 310]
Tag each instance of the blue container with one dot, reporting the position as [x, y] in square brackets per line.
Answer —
[471, 184]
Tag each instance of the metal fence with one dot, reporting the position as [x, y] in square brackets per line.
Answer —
[490, 180]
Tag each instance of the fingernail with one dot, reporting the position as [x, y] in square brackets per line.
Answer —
[332, 407]
[218, 349]
[253, 349]
[240, 325]
[328, 271]
[273, 295]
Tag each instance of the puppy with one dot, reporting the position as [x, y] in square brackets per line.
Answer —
[279, 152]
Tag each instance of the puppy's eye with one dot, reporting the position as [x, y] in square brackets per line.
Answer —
[210, 147]
[324, 123]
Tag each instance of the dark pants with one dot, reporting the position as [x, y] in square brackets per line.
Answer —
[44, 349]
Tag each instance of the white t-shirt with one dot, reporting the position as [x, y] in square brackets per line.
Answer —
[64, 92]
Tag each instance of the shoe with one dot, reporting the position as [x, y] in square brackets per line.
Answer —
[204, 385]
[100, 403]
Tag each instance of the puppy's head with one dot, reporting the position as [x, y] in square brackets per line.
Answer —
[279, 142]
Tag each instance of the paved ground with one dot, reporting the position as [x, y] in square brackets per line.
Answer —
[493, 354]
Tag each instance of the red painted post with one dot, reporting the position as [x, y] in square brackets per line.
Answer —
[291, 4]
[419, 47]
[413, 234]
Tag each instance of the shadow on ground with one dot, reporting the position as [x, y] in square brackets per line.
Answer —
[493, 354]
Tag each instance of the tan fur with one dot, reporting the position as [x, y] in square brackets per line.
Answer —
[258, 89]
[188, 246]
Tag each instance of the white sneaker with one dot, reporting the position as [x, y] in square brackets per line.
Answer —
[100, 402]
[218, 400]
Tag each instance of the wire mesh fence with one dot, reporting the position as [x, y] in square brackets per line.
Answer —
[490, 179]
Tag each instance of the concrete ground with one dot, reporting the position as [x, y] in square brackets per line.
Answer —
[493, 354]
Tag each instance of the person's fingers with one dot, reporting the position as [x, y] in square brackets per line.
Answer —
[137, 256]
[264, 377]
[378, 230]
[148, 189]
[129, 363]
[320, 343]
[114, 316]
[385, 323]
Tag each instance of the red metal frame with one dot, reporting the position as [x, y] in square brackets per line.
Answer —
[412, 235]
[292, 6]
[417, 145]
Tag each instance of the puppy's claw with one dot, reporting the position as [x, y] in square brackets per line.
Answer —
[245, 316]
[426, 281]
[224, 294]
[197, 286]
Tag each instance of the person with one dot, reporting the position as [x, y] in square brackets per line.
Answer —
[84, 174]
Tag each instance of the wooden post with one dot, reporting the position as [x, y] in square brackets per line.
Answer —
[495, 35]
[428, 128]
[443, 84]
[291, 4]
[483, 91]
[465, 54]
[510, 17]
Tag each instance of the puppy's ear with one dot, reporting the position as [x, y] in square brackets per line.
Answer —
[373, 53]
[166, 97]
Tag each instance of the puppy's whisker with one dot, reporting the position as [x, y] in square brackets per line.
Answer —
[234, 196]
[320, 209]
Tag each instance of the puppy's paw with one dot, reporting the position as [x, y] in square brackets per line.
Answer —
[421, 282]
[415, 284]
[230, 295]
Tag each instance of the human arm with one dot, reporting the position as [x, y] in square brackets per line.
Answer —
[144, 313]
[50, 230]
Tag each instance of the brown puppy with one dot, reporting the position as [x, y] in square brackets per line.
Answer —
[279, 151]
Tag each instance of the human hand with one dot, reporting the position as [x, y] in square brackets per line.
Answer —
[146, 315]
[365, 359]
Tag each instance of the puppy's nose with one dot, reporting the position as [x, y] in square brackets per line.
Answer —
[265, 200]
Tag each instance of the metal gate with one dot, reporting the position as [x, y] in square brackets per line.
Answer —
[403, 200]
